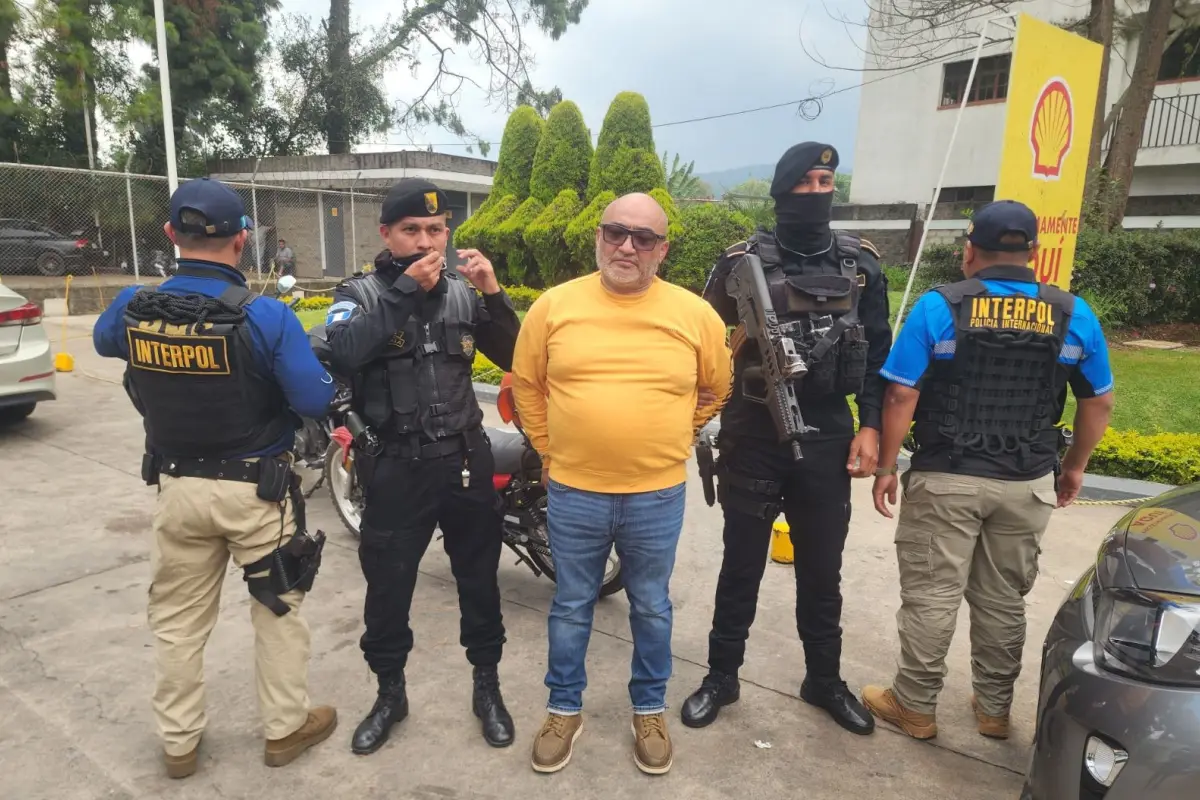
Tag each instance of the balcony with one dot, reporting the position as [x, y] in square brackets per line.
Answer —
[1170, 122]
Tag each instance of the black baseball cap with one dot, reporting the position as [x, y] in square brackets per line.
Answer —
[413, 197]
[995, 220]
[222, 208]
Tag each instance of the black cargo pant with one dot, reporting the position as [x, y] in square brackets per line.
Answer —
[406, 498]
[759, 479]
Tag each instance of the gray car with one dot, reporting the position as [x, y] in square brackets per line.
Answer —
[1119, 705]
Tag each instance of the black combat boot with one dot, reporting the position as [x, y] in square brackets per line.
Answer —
[390, 707]
[835, 697]
[488, 705]
[718, 689]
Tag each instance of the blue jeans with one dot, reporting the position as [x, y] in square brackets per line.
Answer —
[583, 527]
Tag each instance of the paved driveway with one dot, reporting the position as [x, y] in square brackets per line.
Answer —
[76, 667]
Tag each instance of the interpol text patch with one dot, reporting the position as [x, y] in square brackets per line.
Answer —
[1012, 313]
[178, 354]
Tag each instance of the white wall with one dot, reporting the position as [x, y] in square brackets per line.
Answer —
[903, 135]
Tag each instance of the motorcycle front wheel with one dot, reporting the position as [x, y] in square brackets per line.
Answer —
[343, 489]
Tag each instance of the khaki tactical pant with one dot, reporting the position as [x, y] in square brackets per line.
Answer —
[979, 536]
[198, 524]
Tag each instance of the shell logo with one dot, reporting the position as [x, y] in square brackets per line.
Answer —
[1051, 129]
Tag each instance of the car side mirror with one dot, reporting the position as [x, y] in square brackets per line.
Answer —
[286, 284]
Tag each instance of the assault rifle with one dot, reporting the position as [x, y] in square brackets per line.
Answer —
[781, 364]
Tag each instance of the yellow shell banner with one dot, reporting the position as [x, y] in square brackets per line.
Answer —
[1052, 88]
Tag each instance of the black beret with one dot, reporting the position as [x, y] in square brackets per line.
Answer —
[798, 160]
[413, 197]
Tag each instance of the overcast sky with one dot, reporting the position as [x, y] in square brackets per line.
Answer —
[690, 58]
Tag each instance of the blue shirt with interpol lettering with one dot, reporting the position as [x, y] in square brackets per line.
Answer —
[281, 348]
[928, 335]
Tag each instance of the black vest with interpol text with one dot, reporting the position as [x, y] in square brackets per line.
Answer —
[991, 409]
[194, 379]
[421, 382]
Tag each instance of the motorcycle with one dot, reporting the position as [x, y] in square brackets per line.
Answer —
[332, 443]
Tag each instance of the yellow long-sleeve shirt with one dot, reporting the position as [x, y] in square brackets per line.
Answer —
[607, 384]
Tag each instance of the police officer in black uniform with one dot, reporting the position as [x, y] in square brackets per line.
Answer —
[406, 335]
[833, 287]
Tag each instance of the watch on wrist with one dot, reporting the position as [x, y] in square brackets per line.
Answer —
[892, 470]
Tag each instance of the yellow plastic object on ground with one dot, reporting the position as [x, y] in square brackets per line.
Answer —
[64, 361]
[781, 544]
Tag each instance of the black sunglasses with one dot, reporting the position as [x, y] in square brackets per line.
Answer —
[643, 240]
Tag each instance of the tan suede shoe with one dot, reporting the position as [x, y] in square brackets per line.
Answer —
[992, 727]
[883, 703]
[652, 744]
[555, 742]
[320, 723]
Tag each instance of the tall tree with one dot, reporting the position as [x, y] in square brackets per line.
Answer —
[215, 51]
[626, 125]
[491, 31]
[10, 19]
[1127, 135]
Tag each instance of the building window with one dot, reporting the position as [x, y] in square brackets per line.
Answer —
[1181, 61]
[966, 194]
[991, 81]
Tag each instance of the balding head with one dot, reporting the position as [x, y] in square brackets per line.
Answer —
[637, 210]
[631, 243]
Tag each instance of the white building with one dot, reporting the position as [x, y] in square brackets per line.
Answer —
[907, 116]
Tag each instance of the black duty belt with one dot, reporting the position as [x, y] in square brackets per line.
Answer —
[420, 447]
[221, 469]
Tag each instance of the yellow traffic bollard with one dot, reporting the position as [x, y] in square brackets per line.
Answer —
[782, 551]
[64, 361]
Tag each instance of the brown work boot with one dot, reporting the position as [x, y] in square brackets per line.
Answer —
[652, 743]
[316, 729]
[554, 743]
[992, 727]
[883, 704]
[181, 766]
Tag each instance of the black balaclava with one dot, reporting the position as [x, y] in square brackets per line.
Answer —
[802, 220]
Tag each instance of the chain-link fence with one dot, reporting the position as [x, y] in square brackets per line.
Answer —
[56, 221]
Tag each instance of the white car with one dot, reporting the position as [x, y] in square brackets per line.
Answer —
[26, 363]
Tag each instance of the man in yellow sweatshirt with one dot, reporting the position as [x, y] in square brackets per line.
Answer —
[613, 375]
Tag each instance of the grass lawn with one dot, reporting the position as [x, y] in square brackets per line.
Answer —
[1157, 391]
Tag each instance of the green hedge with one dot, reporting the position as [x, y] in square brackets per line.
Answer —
[522, 298]
[1172, 458]
[626, 125]
[545, 237]
[581, 233]
[709, 229]
[509, 239]
[633, 170]
[1139, 277]
[564, 154]
[478, 231]
[522, 134]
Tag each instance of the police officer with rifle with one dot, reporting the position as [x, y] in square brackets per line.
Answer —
[218, 373]
[405, 336]
[811, 311]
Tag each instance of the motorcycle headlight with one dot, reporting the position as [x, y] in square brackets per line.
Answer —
[1149, 636]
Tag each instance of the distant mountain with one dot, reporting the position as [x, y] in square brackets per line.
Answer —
[726, 179]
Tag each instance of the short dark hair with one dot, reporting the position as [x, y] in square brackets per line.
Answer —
[194, 241]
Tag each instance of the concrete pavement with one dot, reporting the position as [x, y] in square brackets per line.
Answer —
[76, 665]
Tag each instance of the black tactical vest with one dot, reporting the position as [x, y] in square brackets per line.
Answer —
[819, 309]
[990, 410]
[421, 383]
[195, 382]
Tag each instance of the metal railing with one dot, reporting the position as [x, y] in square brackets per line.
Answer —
[57, 220]
[1170, 121]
